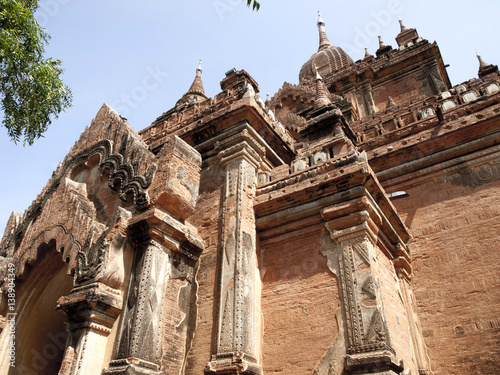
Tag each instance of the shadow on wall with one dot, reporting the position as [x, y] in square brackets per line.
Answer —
[40, 329]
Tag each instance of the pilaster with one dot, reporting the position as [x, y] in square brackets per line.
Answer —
[354, 228]
[91, 312]
[160, 241]
[237, 347]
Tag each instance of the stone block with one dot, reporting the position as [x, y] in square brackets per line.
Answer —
[176, 184]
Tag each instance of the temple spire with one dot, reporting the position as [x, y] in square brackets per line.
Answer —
[403, 27]
[321, 95]
[268, 101]
[406, 35]
[368, 55]
[323, 38]
[381, 43]
[197, 85]
[383, 48]
[484, 67]
[482, 63]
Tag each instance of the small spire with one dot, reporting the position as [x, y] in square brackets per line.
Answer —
[197, 85]
[323, 38]
[318, 77]
[321, 95]
[382, 49]
[268, 101]
[482, 63]
[367, 54]
[320, 20]
[406, 35]
[485, 68]
[381, 42]
[403, 27]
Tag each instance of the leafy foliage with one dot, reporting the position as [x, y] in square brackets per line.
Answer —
[255, 5]
[31, 90]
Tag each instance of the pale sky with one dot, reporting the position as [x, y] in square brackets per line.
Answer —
[140, 57]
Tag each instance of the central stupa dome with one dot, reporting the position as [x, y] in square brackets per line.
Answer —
[328, 60]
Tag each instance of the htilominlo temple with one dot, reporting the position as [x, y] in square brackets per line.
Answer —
[348, 224]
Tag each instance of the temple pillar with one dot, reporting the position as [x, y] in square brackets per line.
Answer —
[238, 337]
[139, 351]
[160, 242]
[354, 228]
[91, 312]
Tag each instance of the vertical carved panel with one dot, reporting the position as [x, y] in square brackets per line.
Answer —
[238, 265]
[141, 334]
[351, 304]
[238, 335]
[146, 325]
[367, 329]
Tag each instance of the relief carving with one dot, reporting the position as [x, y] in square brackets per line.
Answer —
[369, 287]
[102, 260]
[92, 257]
[377, 331]
[349, 282]
[141, 333]
[366, 329]
[475, 175]
[123, 176]
[237, 340]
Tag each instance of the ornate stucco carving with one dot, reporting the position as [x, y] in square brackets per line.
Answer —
[102, 259]
[352, 255]
[474, 175]
[40, 221]
[238, 333]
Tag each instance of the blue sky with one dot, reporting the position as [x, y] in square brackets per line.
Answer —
[140, 57]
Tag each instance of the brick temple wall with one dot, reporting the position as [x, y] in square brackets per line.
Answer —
[456, 266]
[300, 300]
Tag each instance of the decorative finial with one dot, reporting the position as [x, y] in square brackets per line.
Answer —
[380, 41]
[323, 38]
[322, 95]
[268, 101]
[482, 63]
[367, 54]
[196, 88]
[318, 77]
[320, 21]
[485, 68]
[403, 27]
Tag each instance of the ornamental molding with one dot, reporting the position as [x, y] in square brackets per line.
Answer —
[123, 177]
[477, 175]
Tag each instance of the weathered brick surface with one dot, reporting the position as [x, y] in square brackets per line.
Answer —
[300, 298]
[395, 310]
[207, 220]
[456, 264]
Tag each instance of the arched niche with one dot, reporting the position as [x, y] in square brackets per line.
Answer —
[41, 332]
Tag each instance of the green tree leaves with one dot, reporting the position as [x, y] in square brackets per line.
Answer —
[31, 90]
[255, 5]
